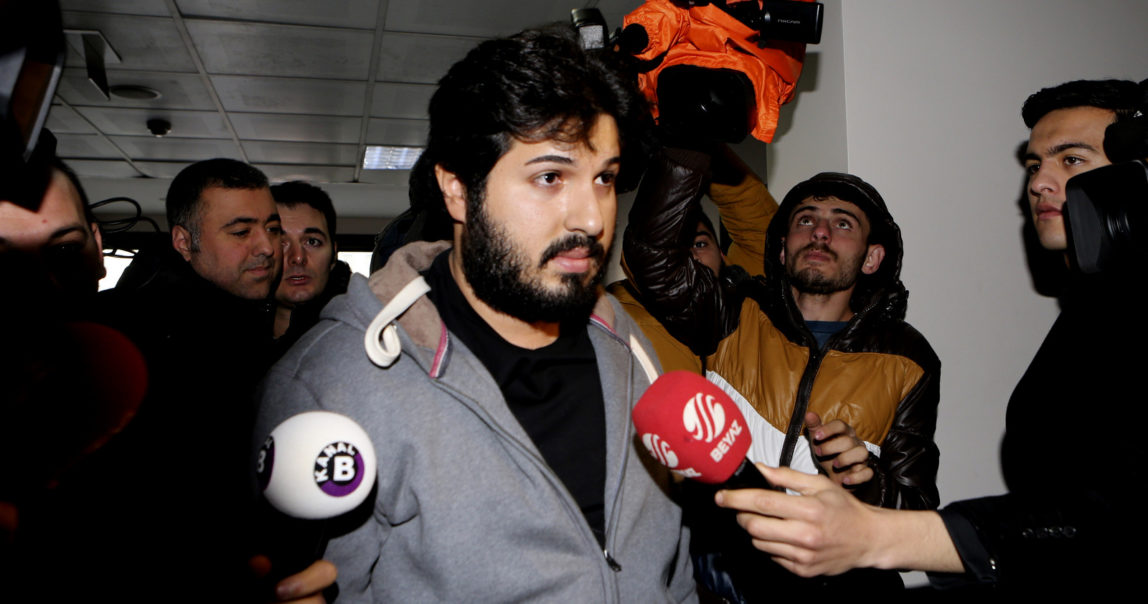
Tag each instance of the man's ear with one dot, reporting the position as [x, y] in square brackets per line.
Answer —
[453, 193]
[334, 253]
[873, 259]
[783, 251]
[181, 241]
[95, 228]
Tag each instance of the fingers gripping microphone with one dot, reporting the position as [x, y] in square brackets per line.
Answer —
[316, 465]
[691, 426]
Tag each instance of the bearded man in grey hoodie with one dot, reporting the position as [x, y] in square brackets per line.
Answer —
[493, 375]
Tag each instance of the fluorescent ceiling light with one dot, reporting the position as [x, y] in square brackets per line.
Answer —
[390, 158]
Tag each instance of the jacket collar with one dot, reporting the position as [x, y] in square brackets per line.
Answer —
[421, 321]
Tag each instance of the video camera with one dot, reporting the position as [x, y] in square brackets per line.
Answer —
[1106, 209]
[31, 59]
[713, 70]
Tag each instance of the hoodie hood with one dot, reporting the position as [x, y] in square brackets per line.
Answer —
[882, 290]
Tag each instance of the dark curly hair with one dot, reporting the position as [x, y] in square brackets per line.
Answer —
[1120, 96]
[537, 85]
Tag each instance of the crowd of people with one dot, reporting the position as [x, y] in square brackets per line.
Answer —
[500, 405]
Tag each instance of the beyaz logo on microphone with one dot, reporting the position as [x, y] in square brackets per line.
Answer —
[726, 441]
[660, 449]
[690, 425]
[339, 469]
[704, 417]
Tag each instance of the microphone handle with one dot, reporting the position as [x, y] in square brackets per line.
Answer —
[747, 476]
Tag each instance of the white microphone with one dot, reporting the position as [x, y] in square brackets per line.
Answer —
[316, 465]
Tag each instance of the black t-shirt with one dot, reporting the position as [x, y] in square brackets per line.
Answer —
[554, 391]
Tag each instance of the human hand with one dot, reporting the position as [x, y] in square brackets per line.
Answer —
[303, 587]
[836, 447]
[827, 531]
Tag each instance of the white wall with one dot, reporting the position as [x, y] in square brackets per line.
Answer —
[922, 99]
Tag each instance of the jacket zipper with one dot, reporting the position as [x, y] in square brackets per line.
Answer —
[804, 392]
[805, 387]
[563, 494]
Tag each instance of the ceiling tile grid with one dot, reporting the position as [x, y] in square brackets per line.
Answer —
[297, 87]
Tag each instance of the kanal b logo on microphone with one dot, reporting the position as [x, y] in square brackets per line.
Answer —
[339, 469]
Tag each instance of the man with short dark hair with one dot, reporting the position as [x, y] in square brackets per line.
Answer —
[819, 347]
[52, 260]
[1067, 123]
[312, 271]
[225, 225]
[199, 310]
[214, 284]
[60, 240]
[1065, 525]
[492, 374]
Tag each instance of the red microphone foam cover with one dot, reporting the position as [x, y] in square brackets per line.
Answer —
[692, 427]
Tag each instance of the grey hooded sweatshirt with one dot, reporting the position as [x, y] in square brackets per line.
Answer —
[466, 507]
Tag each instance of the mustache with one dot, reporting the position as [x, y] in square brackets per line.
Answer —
[818, 247]
[264, 262]
[574, 241]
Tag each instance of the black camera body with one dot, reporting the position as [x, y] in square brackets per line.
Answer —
[1106, 209]
[1105, 217]
[31, 61]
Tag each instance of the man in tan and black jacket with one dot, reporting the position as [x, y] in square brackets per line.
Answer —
[816, 353]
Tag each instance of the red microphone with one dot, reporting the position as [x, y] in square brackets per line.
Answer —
[692, 427]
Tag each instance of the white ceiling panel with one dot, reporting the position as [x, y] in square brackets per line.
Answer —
[320, 174]
[393, 178]
[319, 129]
[290, 95]
[91, 146]
[420, 58]
[175, 149]
[400, 133]
[401, 100]
[282, 50]
[93, 168]
[290, 76]
[133, 122]
[177, 90]
[339, 13]
[164, 169]
[157, 8]
[301, 153]
[485, 19]
[148, 43]
[64, 120]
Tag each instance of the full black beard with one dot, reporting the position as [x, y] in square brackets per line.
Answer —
[497, 273]
[811, 281]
